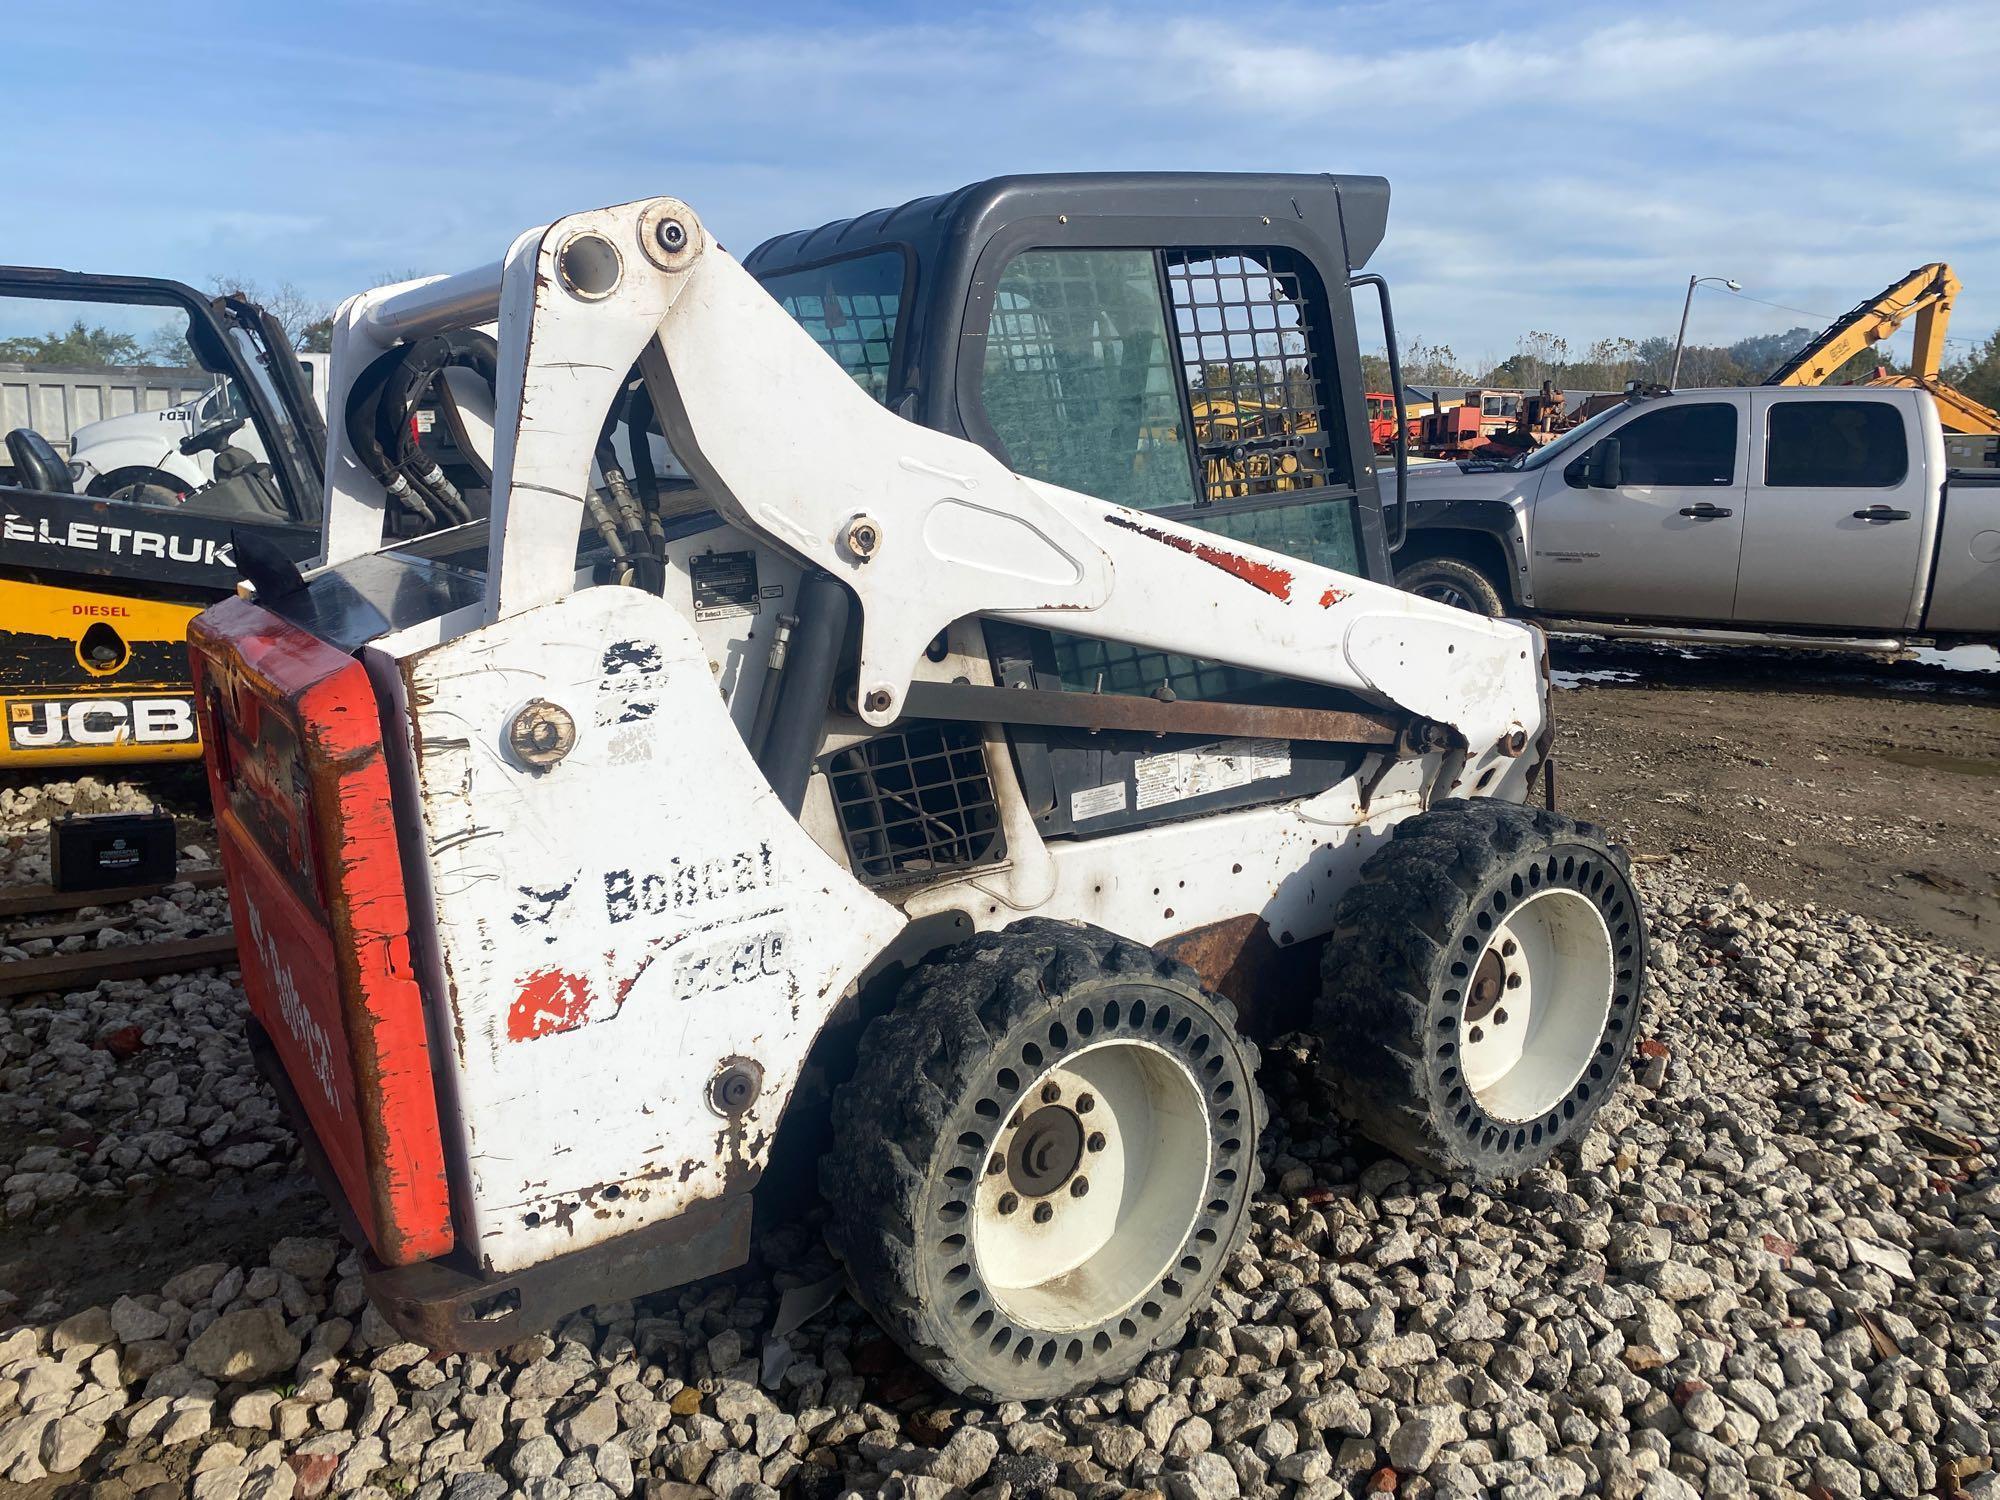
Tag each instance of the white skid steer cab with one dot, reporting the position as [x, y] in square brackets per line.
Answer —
[944, 756]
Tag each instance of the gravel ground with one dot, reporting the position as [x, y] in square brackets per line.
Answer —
[1772, 1270]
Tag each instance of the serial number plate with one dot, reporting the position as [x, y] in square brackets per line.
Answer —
[725, 584]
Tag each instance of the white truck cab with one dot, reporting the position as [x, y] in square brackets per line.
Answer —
[1753, 513]
[141, 450]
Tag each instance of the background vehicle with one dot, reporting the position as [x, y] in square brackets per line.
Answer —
[1819, 516]
[1925, 294]
[980, 803]
[96, 592]
[114, 456]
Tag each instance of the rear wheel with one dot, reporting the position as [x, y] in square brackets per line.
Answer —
[1481, 989]
[1448, 580]
[1044, 1159]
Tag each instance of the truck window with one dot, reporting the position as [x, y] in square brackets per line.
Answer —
[851, 307]
[1680, 446]
[1078, 380]
[1835, 445]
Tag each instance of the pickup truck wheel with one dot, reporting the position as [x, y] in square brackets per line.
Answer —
[1481, 989]
[1044, 1159]
[1450, 581]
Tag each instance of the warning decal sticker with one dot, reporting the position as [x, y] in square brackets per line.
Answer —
[1181, 774]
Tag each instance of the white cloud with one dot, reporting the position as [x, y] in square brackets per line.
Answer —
[1565, 174]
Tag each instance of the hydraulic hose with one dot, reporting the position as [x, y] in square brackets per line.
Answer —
[645, 478]
[381, 411]
[805, 689]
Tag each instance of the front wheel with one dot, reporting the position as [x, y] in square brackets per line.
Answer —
[1448, 580]
[1044, 1159]
[1481, 989]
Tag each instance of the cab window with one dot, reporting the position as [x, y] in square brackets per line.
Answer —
[1679, 446]
[107, 399]
[1079, 379]
[1197, 383]
[1835, 445]
[851, 308]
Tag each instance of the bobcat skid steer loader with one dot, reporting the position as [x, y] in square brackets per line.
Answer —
[788, 743]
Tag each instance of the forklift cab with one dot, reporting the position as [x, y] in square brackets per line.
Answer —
[102, 568]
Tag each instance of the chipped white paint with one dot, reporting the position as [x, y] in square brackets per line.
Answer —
[614, 929]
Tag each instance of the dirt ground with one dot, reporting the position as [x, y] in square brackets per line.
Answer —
[1864, 789]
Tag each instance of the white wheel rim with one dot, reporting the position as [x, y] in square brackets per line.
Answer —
[1057, 1260]
[1537, 1005]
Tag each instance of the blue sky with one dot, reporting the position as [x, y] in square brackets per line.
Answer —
[1559, 168]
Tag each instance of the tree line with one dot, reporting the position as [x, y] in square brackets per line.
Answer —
[1607, 364]
[307, 321]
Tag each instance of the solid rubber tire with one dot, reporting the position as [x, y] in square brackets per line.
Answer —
[1390, 1001]
[926, 1101]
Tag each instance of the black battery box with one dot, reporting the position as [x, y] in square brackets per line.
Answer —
[103, 850]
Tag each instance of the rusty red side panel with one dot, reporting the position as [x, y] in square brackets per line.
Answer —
[301, 790]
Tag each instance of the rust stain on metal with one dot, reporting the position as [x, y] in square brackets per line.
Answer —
[1267, 577]
[1271, 985]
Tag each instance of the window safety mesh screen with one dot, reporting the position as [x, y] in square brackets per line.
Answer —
[1084, 665]
[850, 307]
[1078, 379]
[915, 802]
[1256, 373]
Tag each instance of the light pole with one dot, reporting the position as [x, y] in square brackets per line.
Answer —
[1681, 337]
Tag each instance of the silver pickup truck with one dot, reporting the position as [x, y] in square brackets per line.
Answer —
[1767, 515]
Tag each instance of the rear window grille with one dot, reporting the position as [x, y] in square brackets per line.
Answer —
[915, 803]
[1254, 373]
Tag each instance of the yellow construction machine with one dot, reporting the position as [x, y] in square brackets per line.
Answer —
[1925, 294]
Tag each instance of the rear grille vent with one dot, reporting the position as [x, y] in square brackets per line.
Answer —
[916, 803]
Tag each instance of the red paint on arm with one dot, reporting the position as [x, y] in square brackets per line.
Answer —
[1270, 578]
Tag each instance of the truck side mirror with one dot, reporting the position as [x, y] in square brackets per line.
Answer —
[1603, 470]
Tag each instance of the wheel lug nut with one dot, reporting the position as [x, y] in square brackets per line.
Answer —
[1050, 1093]
[1477, 1034]
[1507, 947]
[1096, 1141]
[1085, 1103]
[1043, 1213]
[1079, 1186]
[1019, 1116]
[994, 1164]
[1500, 1017]
[1513, 981]
[1008, 1203]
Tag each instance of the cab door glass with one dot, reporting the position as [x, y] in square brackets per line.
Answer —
[1079, 377]
[1675, 447]
[107, 399]
[1835, 445]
